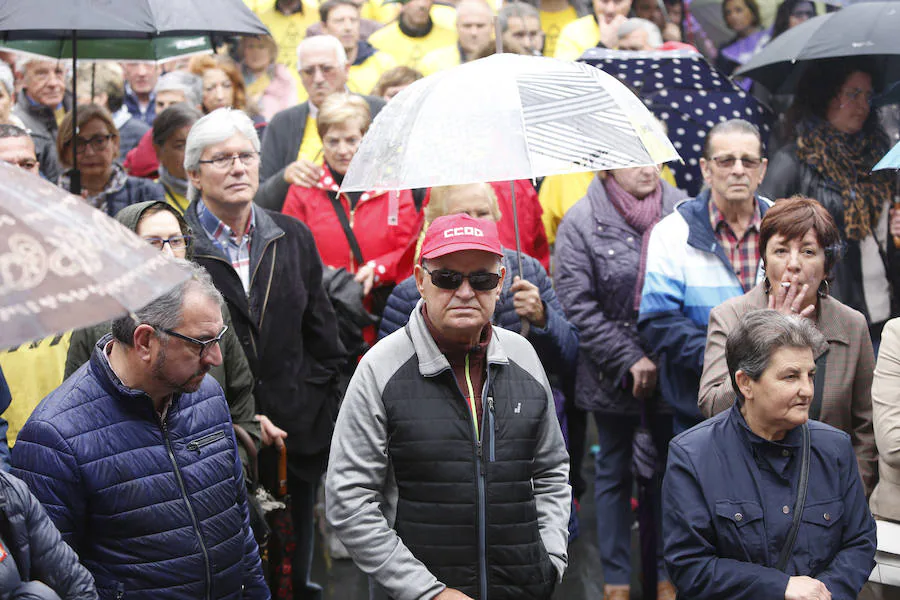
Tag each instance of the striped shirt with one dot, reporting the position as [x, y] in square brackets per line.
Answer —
[743, 253]
[235, 248]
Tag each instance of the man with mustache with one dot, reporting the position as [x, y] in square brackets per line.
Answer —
[702, 254]
[135, 460]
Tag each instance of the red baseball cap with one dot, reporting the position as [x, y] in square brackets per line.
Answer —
[454, 233]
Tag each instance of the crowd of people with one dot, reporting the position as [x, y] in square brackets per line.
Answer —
[430, 367]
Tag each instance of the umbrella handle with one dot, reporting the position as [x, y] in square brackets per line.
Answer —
[526, 325]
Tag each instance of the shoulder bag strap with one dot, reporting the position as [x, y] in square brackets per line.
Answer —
[788, 547]
[345, 224]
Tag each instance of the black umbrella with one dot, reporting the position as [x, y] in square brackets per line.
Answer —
[101, 19]
[646, 467]
[864, 29]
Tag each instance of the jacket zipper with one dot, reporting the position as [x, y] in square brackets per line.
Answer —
[492, 429]
[206, 440]
[120, 591]
[482, 496]
[190, 508]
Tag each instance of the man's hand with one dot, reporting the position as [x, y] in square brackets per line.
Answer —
[303, 173]
[270, 433]
[643, 372]
[527, 301]
[806, 588]
[366, 276]
[451, 594]
[609, 32]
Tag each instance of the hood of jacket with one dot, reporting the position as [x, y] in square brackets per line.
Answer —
[131, 215]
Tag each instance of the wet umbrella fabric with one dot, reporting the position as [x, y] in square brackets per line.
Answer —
[65, 265]
[687, 94]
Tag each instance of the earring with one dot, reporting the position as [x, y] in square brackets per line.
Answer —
[767, 287]
[823, 294]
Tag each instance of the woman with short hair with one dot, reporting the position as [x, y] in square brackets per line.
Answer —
[761, 501]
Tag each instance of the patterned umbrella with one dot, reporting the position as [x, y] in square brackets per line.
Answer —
[687, 94]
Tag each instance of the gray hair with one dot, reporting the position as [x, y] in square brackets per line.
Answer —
[7, 79]
[515, 10]
[26, 59]
[739, 126]
[167, 311]
[654, 37]
[178, 81]
[759, 334]
[215, 128]
[322, 42]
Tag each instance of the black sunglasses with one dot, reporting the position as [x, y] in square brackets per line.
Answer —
[446, 279]
[205, 345]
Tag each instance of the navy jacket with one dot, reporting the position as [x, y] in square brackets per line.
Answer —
[36, 550]
[5, 400]
[728, 500]
[556, 344]
[156, 509]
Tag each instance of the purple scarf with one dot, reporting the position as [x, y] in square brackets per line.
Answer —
[641, 215]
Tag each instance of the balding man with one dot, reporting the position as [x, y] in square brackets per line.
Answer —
[475, 30]
[292, 146]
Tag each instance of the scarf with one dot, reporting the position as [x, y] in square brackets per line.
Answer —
[116, 182]
[641, 215]
[179, 186]
[846, 160]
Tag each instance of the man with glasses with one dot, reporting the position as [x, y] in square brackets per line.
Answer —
[135, 460]
[267, 267]
[702, 254]
[41, 105]
[448, 471]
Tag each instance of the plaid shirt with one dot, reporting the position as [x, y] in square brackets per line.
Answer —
[743, 253]
[237, 249]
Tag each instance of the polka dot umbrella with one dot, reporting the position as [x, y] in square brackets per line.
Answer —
[687, 94]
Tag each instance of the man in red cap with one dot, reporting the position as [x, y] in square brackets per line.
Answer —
[448, 472]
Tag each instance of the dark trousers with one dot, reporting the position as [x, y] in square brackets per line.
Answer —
[303, 502]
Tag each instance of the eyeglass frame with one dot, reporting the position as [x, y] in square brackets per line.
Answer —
[80, 145]
[204, 346]
[150, 240]
[465, 276]
[231, 158]
[720, 160]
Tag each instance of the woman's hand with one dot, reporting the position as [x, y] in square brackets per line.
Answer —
[671, 32]
[806, 588]
[303, 173]
[270, 433]
[643, 372]
[527, 301]
[366, 276]
[609, 32]
[788, 297]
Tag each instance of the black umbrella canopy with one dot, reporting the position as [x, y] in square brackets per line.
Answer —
[53, 19]
[863, 29]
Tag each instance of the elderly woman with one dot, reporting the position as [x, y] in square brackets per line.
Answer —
[170, 131]
[105, 184]
[270, 86]
[836, 142]
[799, 245]
[761, 501]
[600, 256]
[384, 226]
[743, 18]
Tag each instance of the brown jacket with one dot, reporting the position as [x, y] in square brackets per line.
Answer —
[885, 501]
[847, 398]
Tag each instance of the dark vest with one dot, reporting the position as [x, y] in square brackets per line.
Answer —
[467, 509]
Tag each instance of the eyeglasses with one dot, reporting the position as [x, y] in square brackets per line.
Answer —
[857, 93]
[26, 163]
[803, 13]
[248, 159]
[204, 345]
[727, 162]
[177, 242]
[98, 143]
[446, 279]
[310, 71]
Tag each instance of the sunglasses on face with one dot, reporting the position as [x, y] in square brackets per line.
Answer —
[446, 279]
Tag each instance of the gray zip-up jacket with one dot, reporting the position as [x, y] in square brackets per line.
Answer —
[361, 490]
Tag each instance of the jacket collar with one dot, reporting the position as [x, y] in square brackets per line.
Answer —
[431, 360]
[111, 383]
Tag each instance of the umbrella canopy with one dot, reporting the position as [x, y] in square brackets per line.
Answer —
[506, 117]
[65, 265]
[864, 29]
[133, 50]
[685, 93]
[891, 160]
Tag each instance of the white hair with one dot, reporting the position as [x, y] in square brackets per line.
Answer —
[26, 59]
[654, 37]
[178, 81]
[215, 128]
[322, 42]
[7, 79]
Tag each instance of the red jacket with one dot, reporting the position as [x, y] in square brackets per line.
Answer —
[141, 160]
[389, 242]
[531, 228]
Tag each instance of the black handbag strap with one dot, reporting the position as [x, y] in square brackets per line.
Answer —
[815, 408]
[345, 223]
[788, 547]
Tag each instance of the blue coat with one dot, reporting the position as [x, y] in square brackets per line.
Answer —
[556, 344]
[728, 500]
[155, 509]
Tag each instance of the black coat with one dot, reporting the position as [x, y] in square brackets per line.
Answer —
[287, 328]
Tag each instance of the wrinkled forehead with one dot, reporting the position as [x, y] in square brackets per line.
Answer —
[737, 144]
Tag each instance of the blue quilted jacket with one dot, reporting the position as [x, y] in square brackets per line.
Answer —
[154, 508]
[556, 344]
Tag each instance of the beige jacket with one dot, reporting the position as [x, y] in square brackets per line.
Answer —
[885, 501]
[847, 398]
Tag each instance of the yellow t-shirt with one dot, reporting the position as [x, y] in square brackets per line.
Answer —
[363, 77]
[552, 23]
[576, 37]
[289, 30]
[377, 10]
[260, 6]
[311, 144]
[410, 51]
[444, 15]
[32, 371]
[439, 60]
